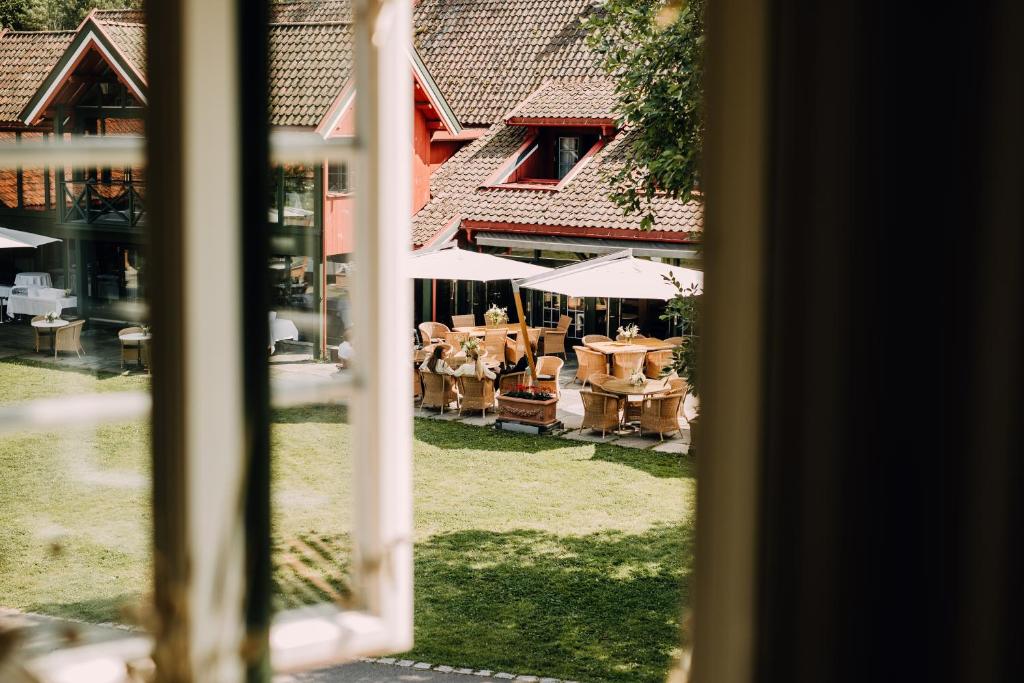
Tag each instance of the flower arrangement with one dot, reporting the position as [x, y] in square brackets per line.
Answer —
[145, 328]
[528, 392]
[67, 292]
[471, 344]
[638, 378]
[496, 316]
[629, 332]
[51, 316]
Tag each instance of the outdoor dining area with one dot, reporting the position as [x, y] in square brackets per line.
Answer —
[626, 385]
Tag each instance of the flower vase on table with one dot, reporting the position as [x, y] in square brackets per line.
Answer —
[629, 333]
[495, 316]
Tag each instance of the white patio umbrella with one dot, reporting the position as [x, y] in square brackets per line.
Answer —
[452, 263]
[615, 276]
[17, 239]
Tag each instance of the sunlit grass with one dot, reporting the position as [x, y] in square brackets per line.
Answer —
[533, 555]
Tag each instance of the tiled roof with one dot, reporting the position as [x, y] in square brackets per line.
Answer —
[122, 16]
[586, 98]
[487, 56]
[130, 39]
[25, 60]
[583, 201]
[293, 11]
[309, 64]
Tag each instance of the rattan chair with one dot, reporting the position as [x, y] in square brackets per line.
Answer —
[554, 342]
[515, 348]
[661, 414]
[417, 385]
[438, 390]
[145, 350]
[674, 341]
[455, 339]
[508, 382]
[589, 362]
[69, 339]
[591, 338]
[621, 338]
[476, 394]
[131, 351]
[563, 323]
[494, 342]
[625, 363]
[44, 340]
[656, 361]
[600, 411]
[468, 320]
[548, 370]
[432, 332]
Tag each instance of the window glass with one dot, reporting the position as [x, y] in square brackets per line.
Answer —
[568, 155]
[337, 178]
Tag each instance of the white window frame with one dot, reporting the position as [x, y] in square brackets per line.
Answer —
[215, 468]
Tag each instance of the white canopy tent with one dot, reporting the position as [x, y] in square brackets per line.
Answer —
[452, 263]
[615, 276]
[17, 239]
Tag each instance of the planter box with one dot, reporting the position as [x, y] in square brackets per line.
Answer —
[539, 413]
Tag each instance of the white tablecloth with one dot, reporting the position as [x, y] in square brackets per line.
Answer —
[31, 305]
[32, 280]
[281, 328]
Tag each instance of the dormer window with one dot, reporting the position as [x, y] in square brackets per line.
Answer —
[548, 157]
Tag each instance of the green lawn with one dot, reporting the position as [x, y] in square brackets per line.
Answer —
[533, 555]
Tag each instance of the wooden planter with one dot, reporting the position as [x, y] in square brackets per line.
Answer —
[526, 411]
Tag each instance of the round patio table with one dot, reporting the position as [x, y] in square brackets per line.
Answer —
[137, 337]
[50, 325]
[623, 388]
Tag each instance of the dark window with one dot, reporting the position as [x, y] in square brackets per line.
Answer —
[337, 178]
[555, 153]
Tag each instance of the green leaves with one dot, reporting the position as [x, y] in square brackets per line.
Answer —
[654, 48]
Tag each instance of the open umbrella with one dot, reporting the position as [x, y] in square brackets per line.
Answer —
[452, 263]
[17, 239]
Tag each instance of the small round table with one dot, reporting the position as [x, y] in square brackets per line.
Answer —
[623, 387]
[137, 337]
[49, 327]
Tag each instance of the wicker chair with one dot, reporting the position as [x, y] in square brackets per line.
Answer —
[131, 351]
[468, 320]
[417, 385]
[477, 394]
[455, 339]
[674, 341]
[431, 331]
[600, 411]
[548, 370]
[510, 381]
[554, 342]
[625, 363]
[563, 323]
[516, 349]
[591, 338]
[69, 338]
[589, 363]
[619, 337]
[44, 340]
[494, 342]
[438, 390]
[661, 414]
[145, 351]
[656, 361]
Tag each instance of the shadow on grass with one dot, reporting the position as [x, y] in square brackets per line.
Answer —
[452, 435]
[654, 463]
[310, 569]
[323, 414]
[99, 375]
[117, 609]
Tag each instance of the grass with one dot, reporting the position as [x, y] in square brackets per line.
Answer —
[533, 555]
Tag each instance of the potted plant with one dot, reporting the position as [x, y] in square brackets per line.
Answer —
[495, 316]
[528, 405]
[629, 332]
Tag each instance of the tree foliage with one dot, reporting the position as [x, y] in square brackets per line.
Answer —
[654, 50]
[685, 307]
[53, 15]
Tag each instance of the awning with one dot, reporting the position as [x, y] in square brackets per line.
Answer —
[452, 263]
[586, 245]
[18, 239]
[615, 276]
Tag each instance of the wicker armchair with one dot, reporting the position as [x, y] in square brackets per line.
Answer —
[548, 370]
[563, 323]
[591, 338]
[455, 339]
[417, 385]
[494, 342]
[656, 361]
[589, 363]
[69, 338]
[554, 342]
[438, 390]
[131, 351]
[477, 394]
[600, 411]
[515, 348]
[625, 363]
[619, 337]
[44, 340]
[661, 414]
[510, 381]
[431, 331]
[145, 350]
[674, 341]
[468, 320]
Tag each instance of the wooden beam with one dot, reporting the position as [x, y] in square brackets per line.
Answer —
[524, 330]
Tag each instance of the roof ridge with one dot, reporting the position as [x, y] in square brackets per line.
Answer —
[310, 23]
[11, 31]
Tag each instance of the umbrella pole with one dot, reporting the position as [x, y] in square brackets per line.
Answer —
[523, 330]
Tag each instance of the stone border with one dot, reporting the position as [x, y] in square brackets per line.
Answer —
[445, 669]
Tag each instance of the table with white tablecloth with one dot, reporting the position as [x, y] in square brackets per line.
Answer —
[33, 280]
[38, 301]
